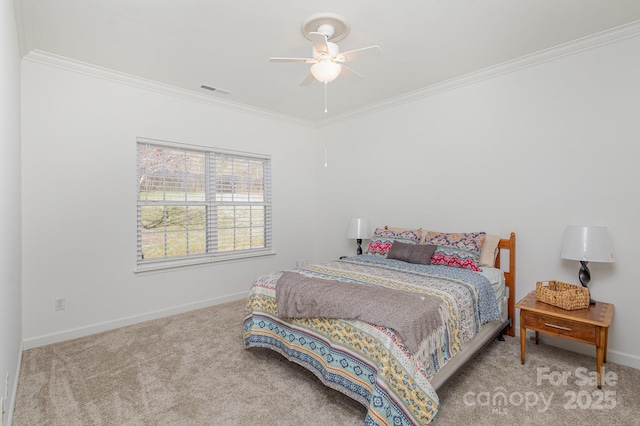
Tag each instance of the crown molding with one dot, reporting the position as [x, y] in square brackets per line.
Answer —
[613, 35]
[68, 64]
[573, 47]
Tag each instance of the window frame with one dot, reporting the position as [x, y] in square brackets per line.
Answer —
[211, 204]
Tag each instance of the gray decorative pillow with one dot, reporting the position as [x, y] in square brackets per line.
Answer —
[412, 253]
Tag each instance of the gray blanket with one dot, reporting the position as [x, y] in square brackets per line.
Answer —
[417, 319]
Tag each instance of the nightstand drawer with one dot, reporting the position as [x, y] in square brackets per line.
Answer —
[560, 327]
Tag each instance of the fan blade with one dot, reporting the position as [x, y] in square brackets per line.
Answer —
[358, 53]
[319, 41]
[307, 81]
[349, 73]
[303, 60]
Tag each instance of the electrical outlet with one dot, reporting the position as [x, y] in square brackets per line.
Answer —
[61, 304]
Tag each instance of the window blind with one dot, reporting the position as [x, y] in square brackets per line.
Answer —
[195, 202]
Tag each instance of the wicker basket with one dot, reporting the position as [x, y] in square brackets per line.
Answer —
[562, 295]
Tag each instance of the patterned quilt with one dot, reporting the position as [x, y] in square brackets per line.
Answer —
[367, 362]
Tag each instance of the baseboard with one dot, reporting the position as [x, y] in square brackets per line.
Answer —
[584, 349]
[14, 392]
[48, 339]
[618, 357]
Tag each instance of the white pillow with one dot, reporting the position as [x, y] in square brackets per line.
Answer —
[489, 250]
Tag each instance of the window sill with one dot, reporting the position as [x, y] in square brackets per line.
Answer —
[155, 266]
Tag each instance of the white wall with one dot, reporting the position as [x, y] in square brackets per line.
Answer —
[530, 151]
[10, 239]
[79, 201]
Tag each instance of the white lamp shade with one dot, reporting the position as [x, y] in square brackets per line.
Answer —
[359, 229]
[325, 71]
[587, 243]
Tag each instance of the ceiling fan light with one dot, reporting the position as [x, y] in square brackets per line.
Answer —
[325, 71]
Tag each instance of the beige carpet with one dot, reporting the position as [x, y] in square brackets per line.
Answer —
[192, 369]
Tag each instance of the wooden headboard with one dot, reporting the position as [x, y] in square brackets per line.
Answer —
[509, 244]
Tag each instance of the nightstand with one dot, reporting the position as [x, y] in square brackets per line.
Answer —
[589, 325]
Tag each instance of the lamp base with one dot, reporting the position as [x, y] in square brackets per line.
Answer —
[585, 276]
[359, 242]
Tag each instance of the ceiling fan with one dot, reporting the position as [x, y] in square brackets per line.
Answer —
[327, 62]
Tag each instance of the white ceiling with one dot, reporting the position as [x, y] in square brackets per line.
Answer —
[226, 44]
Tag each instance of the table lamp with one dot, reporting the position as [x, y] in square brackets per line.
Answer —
[359, 229]
[587, 244]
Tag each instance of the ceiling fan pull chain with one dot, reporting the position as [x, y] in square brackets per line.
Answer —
[325, 97]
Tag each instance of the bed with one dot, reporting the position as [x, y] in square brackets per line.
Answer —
[392, 363]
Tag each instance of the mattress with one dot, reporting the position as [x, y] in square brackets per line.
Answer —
[496, 278]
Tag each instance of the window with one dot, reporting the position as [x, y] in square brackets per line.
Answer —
[198, 205]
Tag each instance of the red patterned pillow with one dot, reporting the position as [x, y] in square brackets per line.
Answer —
[457, 250]
[383, 238]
